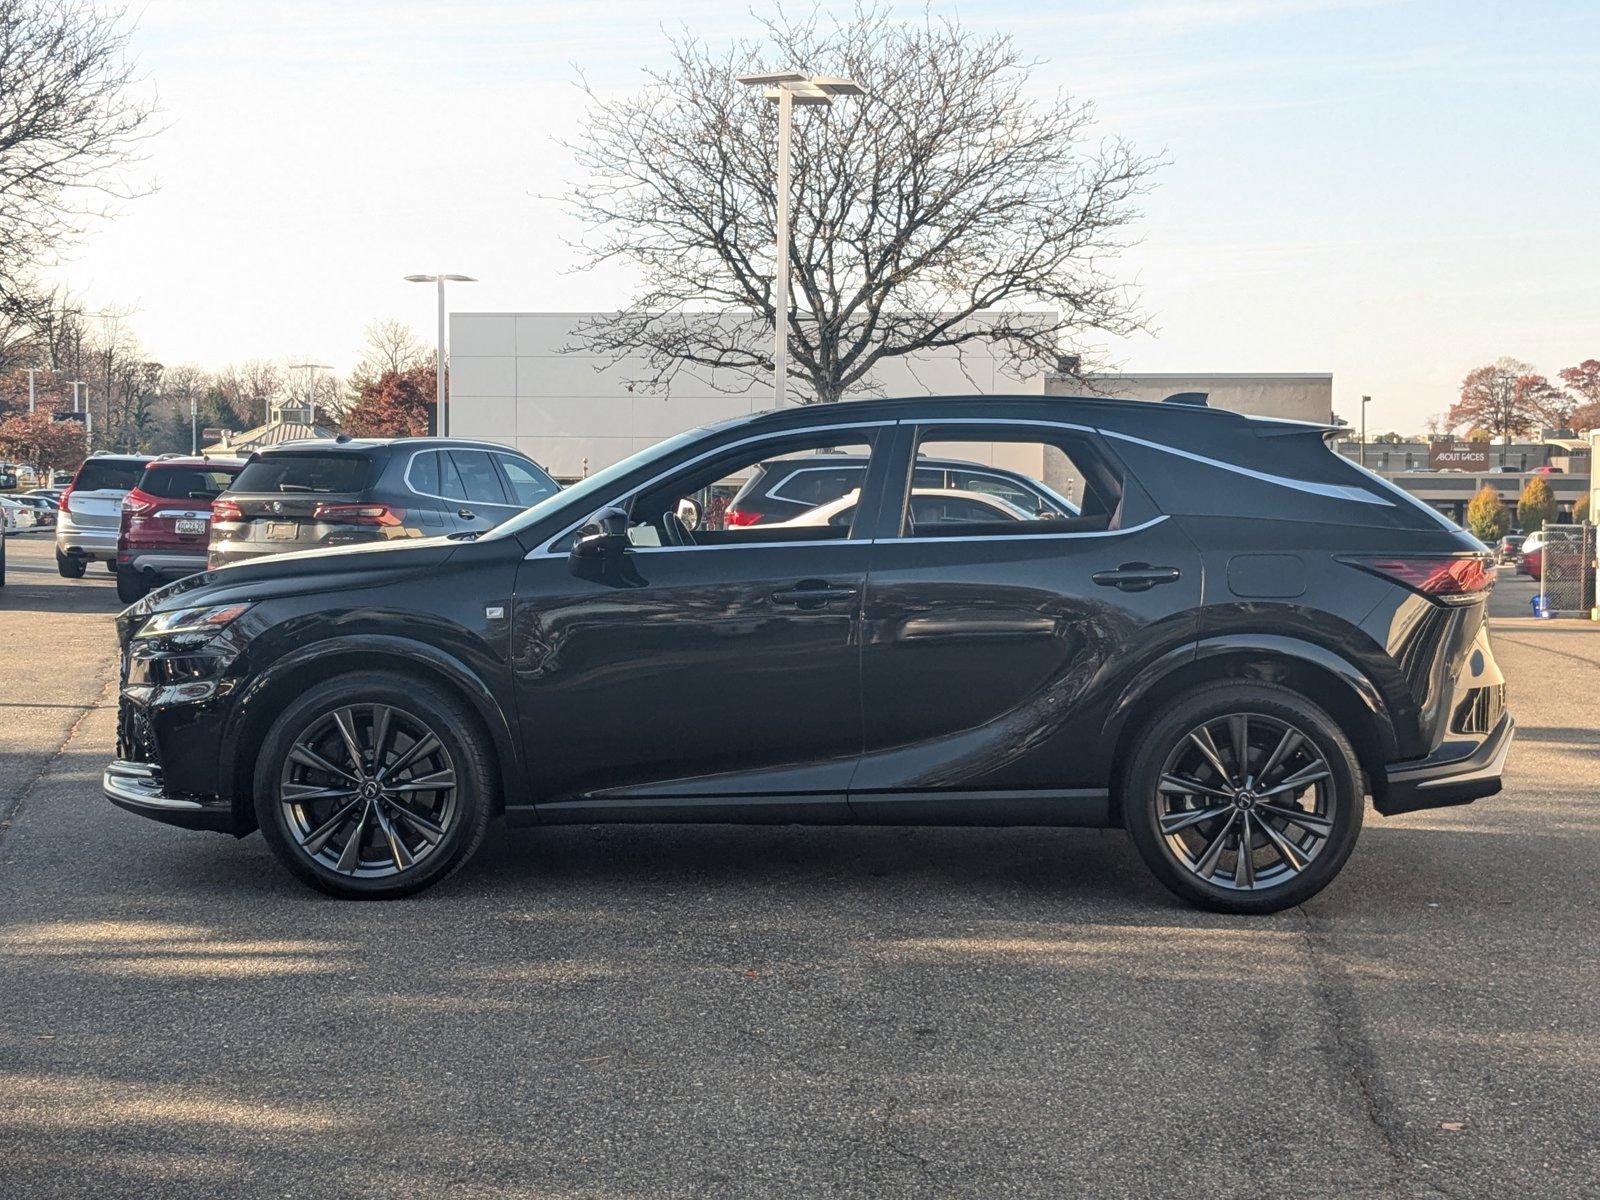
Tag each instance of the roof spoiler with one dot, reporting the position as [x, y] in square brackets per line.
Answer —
[1196, 399]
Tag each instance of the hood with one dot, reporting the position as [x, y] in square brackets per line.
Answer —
[327, 569]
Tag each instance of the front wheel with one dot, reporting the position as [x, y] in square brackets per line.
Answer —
[374, 785]
[1243, 797]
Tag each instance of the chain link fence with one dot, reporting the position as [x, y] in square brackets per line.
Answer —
[1567, 573]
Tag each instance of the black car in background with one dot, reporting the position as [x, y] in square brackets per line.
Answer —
[347, 491]
[1236, 637]
[787, 488]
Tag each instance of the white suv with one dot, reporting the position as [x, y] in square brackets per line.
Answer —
[91, 511]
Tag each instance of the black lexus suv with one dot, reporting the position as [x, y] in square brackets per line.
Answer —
[1237, 639]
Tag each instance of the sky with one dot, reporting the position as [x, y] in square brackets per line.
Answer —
[1392, 192]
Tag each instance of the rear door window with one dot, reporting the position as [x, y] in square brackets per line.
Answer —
[101, 475]
[478, 476]
[293, 474]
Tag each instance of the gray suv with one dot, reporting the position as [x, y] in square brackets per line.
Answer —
[302, 495]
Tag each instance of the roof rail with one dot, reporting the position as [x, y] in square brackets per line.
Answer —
[1197, 399]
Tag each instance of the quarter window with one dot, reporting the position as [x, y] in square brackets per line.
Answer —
[528, 486]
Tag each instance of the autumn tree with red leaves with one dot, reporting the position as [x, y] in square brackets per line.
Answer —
[1583, 381]
[396, 404]
[1492, 401]
[41, 442]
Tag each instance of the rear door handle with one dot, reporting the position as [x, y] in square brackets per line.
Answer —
[812, 593]
[1136, 577]
[466, 514]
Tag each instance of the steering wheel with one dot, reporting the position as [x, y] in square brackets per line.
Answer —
[673, 531]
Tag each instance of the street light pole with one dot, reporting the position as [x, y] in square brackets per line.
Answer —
[440, 404]
[31, 371]
[311, 369]
[789, 88]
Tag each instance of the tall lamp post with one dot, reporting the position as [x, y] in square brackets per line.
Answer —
[32, 371]
[1365, 400]
[442, 417]
[789, 88]
[311, 369]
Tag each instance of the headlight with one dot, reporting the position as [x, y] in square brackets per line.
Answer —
[206, 621]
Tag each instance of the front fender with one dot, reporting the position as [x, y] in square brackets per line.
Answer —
[322, 658]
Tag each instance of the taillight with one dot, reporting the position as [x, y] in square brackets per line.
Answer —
[357, 514]
[137, 502]
[1453, 580]
[226, 510]
[65, 496]
[735, 517]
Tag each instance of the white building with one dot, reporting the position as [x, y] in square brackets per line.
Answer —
[574, 412]
[512, 380]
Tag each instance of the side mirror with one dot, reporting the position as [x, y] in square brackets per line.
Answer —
[602, 535]
[689, 514]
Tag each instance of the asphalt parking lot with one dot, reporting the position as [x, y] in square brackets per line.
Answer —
[760, 1012]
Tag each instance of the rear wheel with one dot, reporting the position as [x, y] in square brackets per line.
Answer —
[374, 786]
[69, 567]
[1243, 797]
[131, 586]
[111, 565]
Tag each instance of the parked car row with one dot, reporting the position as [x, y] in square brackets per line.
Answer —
[152, 520]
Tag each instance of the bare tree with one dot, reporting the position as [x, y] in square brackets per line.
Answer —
[389, 346]
[71, 124]
[946, 209]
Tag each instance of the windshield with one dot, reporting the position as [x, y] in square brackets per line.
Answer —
[592, 488]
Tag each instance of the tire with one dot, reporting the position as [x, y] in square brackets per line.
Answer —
[70, 568]
[111, 565]
[443, 827]
[1292, 857]
[131, 586]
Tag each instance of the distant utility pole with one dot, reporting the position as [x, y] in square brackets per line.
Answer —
[441, 416]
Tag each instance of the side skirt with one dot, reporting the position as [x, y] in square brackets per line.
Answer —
[1087, 807]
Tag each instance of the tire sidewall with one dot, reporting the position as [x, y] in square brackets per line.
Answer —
[449, 720]
[1149, 755]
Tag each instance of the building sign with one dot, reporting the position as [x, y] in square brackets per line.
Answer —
[1458, 456]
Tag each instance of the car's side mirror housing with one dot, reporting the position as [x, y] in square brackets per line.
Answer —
[603, 535]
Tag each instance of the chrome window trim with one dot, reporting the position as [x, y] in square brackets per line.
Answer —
[1333, 491]
[752, 545]
[547, 548]
[1028, 537]
[480, 447]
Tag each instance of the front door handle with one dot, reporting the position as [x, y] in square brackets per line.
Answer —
[812, 593]
[1136, 577]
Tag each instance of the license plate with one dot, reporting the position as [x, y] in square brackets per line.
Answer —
[189, 525]
[282, 531]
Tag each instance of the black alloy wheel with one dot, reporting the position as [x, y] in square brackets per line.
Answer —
[374, 786]
[1243, 797]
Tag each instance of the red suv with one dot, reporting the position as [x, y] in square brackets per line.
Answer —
[166, 521]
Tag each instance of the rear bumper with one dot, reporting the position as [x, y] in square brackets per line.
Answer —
[1456, 773]
[138, 787]
[77, 541]
[167, 564]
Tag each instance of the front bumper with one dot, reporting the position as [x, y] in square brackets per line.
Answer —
[1457, 773]
[138, 788]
